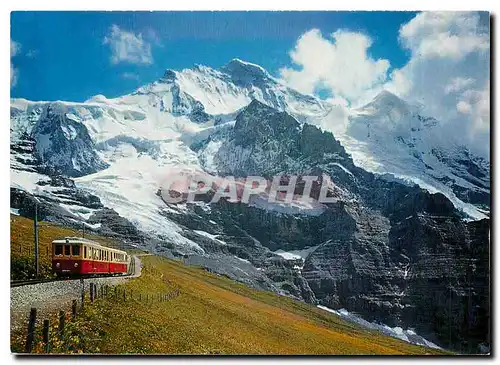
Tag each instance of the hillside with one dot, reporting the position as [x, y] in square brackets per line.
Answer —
[212, 315]
[216, 315]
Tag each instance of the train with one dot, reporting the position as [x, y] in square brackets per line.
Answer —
[77, 256]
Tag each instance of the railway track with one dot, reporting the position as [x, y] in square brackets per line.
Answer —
[15, 283]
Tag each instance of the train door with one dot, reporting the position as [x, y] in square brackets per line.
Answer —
[92, 258]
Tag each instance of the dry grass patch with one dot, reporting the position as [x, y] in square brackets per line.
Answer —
[215, 315]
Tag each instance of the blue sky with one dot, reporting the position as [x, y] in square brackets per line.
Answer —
[63, 56]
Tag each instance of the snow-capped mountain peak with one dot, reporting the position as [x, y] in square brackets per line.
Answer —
[390, 136]
[246, 74]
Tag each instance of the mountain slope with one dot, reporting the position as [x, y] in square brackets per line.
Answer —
[389, 136]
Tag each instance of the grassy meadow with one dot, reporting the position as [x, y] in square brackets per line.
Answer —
[211, 315]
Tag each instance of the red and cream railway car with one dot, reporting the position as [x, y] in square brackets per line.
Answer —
[79, 256]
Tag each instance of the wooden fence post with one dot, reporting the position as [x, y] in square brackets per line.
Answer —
[31, 331]
[46, 338]
[83, 293]
[62, 319]
[73, 309]
[91, 292]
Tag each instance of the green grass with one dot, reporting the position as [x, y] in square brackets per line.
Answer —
[213, 315]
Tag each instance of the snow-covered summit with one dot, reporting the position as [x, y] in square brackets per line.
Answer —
[390, 136]
[386, 136]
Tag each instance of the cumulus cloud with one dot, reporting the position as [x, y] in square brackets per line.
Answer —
[339, 63]
[128, 47]
[457, 84]
[14, 72]
[130, 76]
[448, 73]
[444, 35]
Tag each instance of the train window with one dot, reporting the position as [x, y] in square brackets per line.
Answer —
[58, 250]
[66, 250]
[75, 250]
[84, 252]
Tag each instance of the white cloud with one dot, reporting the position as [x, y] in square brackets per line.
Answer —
[458, 84]
[15, 47]
[32, 53]
[340, 64]
[128, 47]
[444, 35]
[448, 73]
[130, 76]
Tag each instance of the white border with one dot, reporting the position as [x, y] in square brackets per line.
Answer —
[187, 5]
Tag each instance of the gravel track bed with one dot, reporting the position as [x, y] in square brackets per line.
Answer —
[53, 296]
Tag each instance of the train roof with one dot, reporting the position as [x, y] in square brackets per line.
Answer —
[87, 242]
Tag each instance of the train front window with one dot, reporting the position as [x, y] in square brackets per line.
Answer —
[75, 250]
[84, 252]
[66, 250]
[58, 250]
